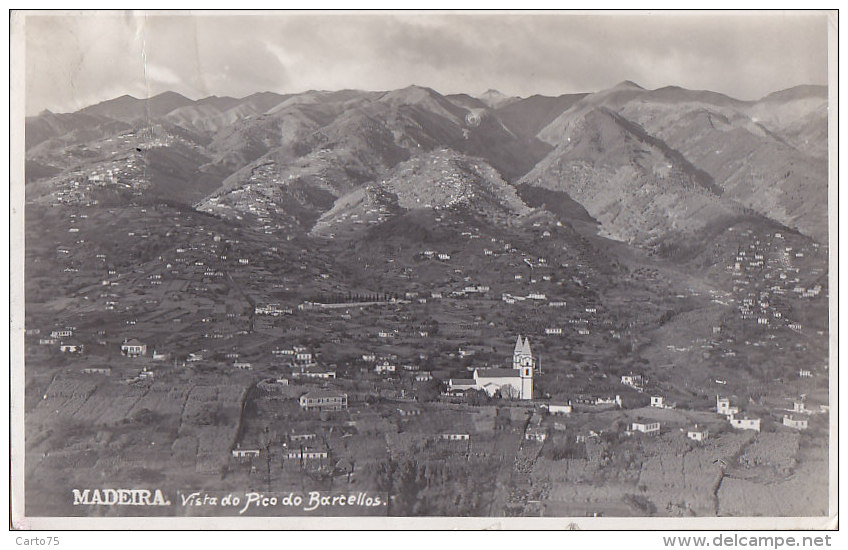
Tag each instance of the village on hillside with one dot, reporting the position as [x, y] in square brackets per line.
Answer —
[270, 377]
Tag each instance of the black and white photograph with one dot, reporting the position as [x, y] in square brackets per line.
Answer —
[346, 269]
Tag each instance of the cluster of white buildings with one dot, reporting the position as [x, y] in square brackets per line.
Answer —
[274, 310]
[724, 408]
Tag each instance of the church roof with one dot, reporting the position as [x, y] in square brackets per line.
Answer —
[519, 347]
[497, 373]
[526, 348]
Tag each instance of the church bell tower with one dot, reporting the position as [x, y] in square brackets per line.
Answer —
[522, 359]
[522, 356]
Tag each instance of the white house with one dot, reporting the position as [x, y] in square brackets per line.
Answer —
[797, 423]
[97, 370]
[240, 453]
[323, 400]
[633, 380]
[723, 407]
[274, 310]
[409, 411]
[454, 437]
[478, 289]
[243, 365]
[558, 408]
[145, 374]
[650, 428]
[423, 376]
[70, 347]
[302, 354]
[535, 434]
[657, 401]
[133, 348]
[315, 371]
[385, 368]
[609, 401]
[386, 364]
[307, 453]
[698, 434]
[745, 423]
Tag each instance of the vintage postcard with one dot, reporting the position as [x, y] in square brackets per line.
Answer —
[390, 270]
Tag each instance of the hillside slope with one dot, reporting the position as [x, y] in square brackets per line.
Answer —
[639, 189]
[767, 155]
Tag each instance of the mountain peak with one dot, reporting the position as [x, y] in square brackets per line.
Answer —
[628, 84]
[169, 95]
[494, 98]
[420, 89]
[412, 93]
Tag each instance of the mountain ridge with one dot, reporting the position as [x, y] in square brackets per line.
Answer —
[325, 144]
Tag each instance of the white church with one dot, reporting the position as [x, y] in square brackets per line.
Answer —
[514, 383]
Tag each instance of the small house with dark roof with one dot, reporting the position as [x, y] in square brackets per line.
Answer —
[461, 385]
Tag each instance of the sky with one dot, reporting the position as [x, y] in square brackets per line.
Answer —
[75, 60]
